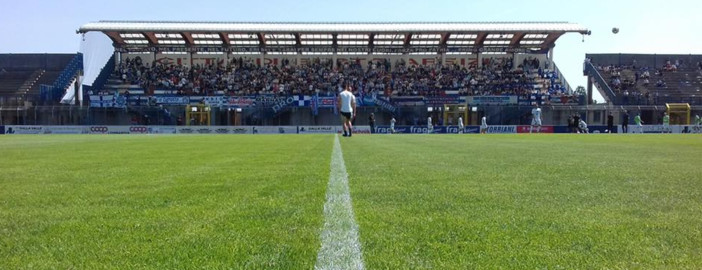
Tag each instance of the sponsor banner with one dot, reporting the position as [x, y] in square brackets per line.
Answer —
[441, 100]
[386, 129]
[2, 129]
[214, 130]
[526, 129]
[356, 130]
[241, 101]
[162, 130]
[97, 129]
[66, 130]
[118, 130]
[186, 130]
[108, 101]
[455, 129]
[138, 130]
[600, 129]
[326, 102]
[501, 129]
[24, 129]
[491, 100]
[419, 130]
[215, 101]
[695, 129]
[275, 130]
[317, 129]
[172, 100]
[109, 130]
[241, 130]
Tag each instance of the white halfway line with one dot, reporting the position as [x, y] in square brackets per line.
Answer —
[340, 246]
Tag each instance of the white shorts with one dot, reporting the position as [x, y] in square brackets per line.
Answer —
[666, 125]
[536, 122]
[483, 127]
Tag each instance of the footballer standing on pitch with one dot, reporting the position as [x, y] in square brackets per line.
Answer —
[346, 104]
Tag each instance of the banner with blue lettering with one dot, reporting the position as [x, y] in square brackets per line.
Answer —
[425, 130]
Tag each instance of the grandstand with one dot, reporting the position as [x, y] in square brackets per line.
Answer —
[37, 78]
[646, 82]
[258, 67]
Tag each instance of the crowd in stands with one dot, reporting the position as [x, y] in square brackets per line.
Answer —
[642, 84]
[496, 76]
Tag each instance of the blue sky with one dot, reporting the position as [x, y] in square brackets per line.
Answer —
[646, 26]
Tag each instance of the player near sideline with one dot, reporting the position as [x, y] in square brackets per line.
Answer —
[392, 125]
[536, 119]
[483, 125]
[666, 123]
[582, 127]
[346, 104]
[460, 125]
[639, 123]
[430, 127]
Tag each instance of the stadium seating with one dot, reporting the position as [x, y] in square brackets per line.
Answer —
[653, 81]
[22, 75]
[240, 77]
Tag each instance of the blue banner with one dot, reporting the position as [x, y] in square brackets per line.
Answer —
[491, 100]
[2, 129]
[441, 100]
[172, 100]
[424, 129]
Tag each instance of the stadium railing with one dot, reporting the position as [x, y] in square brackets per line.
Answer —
[591, 71]
[54, 92]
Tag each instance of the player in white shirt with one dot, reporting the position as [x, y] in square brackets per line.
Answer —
[583, 126]
[392, 125]
[430, 127]
[483, 125]
[460, 125]
[346, 104]
[536, 119]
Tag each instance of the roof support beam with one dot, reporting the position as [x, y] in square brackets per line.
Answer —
[408, 37]
[188, 37]
[114, 36]
[516, 39]
[261, 38]
[550, 40]
[297, 39]
[444, 38]
[371, 37]
[151, 37]
[225, 38]
[480, 39]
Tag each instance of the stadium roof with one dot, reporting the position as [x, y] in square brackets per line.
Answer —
[410, 37]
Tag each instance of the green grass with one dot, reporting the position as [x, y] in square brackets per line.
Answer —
[421, 201]
[166, 202]
[528, 202]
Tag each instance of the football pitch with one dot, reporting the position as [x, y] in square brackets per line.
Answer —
[413, 201]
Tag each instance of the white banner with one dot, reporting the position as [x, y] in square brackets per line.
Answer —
[356, 129]
[66, 130]
[502, 129]
[318, 129]
[275, 130]
[24, 129]
[162, 130]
